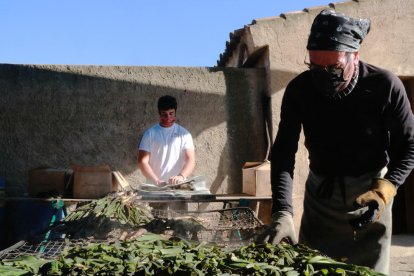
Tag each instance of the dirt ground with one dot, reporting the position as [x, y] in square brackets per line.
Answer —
[402, 255]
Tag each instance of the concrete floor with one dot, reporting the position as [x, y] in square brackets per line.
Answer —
[402, 255]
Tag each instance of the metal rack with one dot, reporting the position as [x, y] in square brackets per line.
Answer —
[233, 226]
[224, 227]
[45, 249]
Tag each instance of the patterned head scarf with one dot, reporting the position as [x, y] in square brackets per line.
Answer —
[334, 31]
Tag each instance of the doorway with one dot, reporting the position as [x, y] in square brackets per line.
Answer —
[403, 208]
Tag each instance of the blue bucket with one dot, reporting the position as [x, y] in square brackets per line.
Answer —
[27, 218]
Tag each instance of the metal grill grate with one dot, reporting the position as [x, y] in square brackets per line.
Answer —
[224, 227]
[46, 250]
[224, 219]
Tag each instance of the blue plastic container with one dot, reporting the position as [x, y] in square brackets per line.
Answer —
[26, 219]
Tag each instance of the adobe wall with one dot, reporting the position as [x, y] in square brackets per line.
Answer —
[59, 116]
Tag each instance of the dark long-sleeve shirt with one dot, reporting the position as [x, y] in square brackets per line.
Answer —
[370, 128]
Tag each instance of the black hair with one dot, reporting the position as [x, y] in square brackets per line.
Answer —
[167, 102]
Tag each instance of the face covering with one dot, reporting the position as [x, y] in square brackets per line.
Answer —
[328, 82]
[167, 120]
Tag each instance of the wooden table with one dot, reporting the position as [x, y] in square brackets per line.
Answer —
[218, 198]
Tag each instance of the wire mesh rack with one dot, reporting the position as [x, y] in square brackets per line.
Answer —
[50, 249]
[233, 226]
[224, 227]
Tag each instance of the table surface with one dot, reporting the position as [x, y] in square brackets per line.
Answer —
[217, 198]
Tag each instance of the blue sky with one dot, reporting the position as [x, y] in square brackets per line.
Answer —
[127, 32]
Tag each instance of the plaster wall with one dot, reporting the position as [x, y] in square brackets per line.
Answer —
[60, 116]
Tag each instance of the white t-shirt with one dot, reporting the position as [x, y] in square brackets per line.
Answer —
[166, 146]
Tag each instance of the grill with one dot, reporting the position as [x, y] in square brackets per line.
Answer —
[46, 249]
[231, 227]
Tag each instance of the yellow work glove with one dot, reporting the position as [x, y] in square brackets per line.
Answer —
[281, 228]
[374, 201]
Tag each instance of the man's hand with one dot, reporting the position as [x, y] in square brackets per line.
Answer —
[176, 179]
[280, 228]
[160, 183]
[373, 202]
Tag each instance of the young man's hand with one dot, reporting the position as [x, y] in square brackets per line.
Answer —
[160, 183]
[176, 179]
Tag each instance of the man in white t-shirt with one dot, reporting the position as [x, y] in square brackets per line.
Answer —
[166, 152]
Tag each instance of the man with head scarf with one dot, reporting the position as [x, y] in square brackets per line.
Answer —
[359, 132]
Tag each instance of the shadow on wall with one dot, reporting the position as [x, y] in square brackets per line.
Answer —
[73, 115]
[280, 79]
[246, 113]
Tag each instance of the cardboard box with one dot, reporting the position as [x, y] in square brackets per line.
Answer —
[46, 182]
[256, 178]
[263, 210]
[92, 182]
